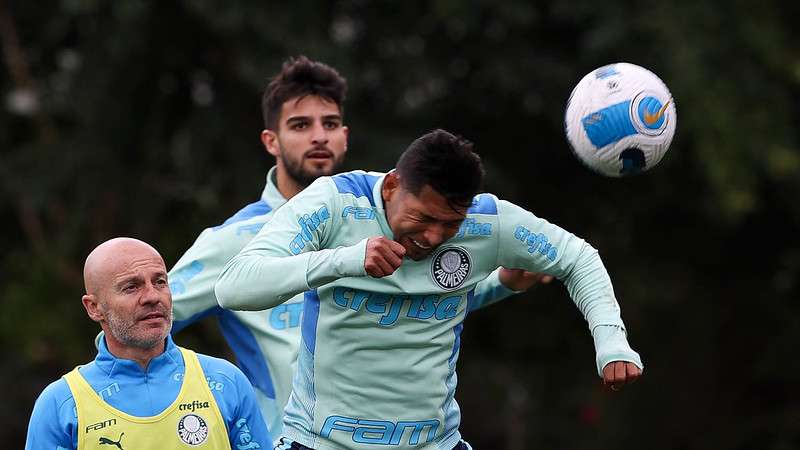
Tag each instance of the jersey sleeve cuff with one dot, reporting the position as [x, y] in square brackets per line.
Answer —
[611, 344]
[350, 261]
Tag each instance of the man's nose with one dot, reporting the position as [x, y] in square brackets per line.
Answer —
[151, 294]
[319, 135]
[434, 235]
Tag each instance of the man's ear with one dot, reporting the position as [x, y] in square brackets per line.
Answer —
[270, 140]
[92, 307]
[391, 184]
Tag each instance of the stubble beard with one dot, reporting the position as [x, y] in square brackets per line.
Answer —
[124, 331]
[303, 177]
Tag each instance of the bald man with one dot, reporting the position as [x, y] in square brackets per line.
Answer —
[143, 391]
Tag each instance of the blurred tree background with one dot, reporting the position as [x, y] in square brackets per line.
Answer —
[141, 118]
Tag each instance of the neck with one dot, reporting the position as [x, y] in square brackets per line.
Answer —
[287, 186]
[142, 356]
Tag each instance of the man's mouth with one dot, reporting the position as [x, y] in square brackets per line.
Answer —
[420, 244]
[319, 154]
[152, 315]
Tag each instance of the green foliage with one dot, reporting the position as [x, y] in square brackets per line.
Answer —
[142, 118]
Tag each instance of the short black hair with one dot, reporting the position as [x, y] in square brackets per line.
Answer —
[300, 77]
[446, 163]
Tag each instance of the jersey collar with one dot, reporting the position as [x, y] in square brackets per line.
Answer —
[166, 362]
[271, 195]
[377, 199]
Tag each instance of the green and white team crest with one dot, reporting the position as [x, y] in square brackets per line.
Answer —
[450, 266]
[192, 429]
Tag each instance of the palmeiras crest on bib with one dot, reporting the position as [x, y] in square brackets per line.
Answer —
[450, 266]
[192, 429]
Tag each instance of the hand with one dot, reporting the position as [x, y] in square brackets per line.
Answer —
[384, 256]
[617, 374]
[522, 280]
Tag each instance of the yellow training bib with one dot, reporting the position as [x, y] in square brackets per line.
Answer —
[193, 420]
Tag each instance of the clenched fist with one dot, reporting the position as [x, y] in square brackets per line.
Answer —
[384, 256]
[617, 374]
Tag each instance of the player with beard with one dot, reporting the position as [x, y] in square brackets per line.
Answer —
[142, 391]
[304, 130]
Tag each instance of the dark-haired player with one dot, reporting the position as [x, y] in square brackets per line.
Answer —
[390, 263]
[304, 130]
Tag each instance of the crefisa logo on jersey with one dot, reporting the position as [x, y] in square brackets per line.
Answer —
[192, 429]
[450, 267]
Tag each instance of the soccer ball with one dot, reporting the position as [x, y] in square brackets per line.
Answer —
[620, 120]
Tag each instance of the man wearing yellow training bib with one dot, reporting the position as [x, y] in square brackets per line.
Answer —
[142, 391]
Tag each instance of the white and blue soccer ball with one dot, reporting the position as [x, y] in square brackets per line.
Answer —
[620, 120]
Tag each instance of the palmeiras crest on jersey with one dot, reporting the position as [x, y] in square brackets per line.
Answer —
[450, 266]
[192, 429]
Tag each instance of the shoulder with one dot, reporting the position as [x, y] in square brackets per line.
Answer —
[486, 204]
[226, 381]
[53, 419]
[237, 230]
[254, 211]
[489, 216]
[56, 393]
[220, 370]
[220, 243]
[344, 188]
[358, 182]
[54, 401]
[490, 204]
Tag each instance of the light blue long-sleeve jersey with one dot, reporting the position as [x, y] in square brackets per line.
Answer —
[124, 385]
[377, 364]
[265, 343]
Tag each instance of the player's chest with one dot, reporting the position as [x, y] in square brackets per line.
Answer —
[425, 293]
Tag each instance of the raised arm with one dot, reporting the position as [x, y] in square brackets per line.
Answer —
[192, 278]
[530, 243]
[288, 255]
[503, 283]
[490, 290]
